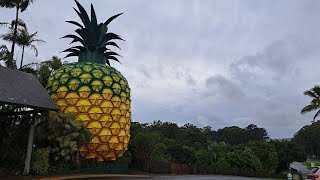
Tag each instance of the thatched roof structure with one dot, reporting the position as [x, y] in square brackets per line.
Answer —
[23, 89]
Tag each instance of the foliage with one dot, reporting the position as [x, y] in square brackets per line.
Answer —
[236, 135]
[148, 145]
[308, 137]
[13, 139]
[44, 69]
[226, 147]
[288, 152]
[41, 161]
[65, 135]
[5, 55]
[313, 93]
[20, 6]
[244, 159]
[181, 154]
[266, 153]
[23, 39]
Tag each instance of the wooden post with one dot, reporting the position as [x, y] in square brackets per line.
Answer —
[30, 144]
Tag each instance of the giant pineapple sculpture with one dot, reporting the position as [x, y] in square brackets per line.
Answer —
[95, 91]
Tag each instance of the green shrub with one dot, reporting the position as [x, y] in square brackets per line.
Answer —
[244, 159]
[41, 161]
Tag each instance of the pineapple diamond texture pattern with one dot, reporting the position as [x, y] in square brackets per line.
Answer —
[100, 97]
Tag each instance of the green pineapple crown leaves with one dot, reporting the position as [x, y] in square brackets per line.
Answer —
[93, 37]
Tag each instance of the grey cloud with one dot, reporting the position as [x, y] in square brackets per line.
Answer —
[275, 62]
[222, 86]
[205, 62]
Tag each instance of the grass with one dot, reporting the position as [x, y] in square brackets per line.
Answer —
[308, 163]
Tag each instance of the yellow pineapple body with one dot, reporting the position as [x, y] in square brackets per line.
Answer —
[100, 97]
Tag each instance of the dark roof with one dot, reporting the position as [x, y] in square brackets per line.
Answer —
[23, 89]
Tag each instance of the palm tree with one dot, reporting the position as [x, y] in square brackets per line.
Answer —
[5, 56]
[314, 93]
[19, 5]
[24, 39]
[10, 62]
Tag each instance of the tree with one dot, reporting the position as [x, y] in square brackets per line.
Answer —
[147, 145]
[63, 135]
[217, 151]
[232, 135]
[313, 93]
[181, 154]
[43, 70]
[266, 153]
[254, 133]
[24, 39]
[166, 129]
[244, 159]
[5, 55]
[308, 137]
[287, 153]
[192, 134]
[19, 5]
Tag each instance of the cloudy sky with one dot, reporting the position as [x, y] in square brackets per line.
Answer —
[216, 63]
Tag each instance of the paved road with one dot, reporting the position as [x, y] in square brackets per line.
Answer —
[193, 177]
[181, 177]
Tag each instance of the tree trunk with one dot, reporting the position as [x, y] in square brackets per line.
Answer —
[14, 37]
[27, 164]
[22, 56]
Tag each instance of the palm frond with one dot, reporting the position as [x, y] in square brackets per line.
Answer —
[315, 102]
[311, 94]
[316, 90]
[24, 4]
[33, 47]
[309, 108]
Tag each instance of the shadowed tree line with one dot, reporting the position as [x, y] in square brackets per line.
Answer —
[233, 146]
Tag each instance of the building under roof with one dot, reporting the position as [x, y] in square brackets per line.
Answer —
[23, 89]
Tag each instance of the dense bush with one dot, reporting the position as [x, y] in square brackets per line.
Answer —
[266, 153]
[62, 135]
[41, 165]
[244, 158]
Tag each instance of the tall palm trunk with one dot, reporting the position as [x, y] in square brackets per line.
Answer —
[22, 56]
[14, 37]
